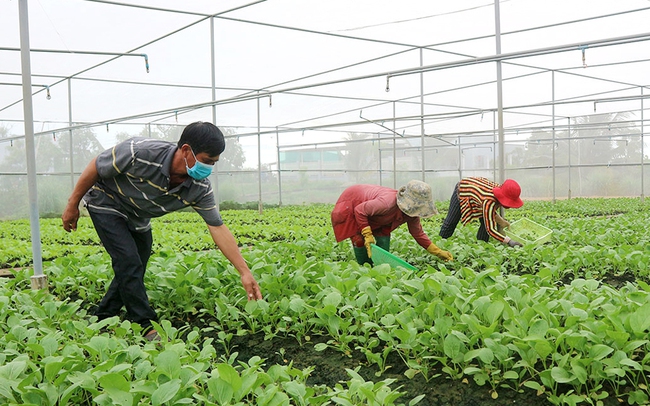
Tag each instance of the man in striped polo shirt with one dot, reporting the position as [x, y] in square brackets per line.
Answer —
[479, 198]
[136, 180]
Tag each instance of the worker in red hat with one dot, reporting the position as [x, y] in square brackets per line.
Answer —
[480, 198]
[366, 214]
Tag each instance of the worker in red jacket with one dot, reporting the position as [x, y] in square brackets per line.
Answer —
[366, 214]
[479, 199]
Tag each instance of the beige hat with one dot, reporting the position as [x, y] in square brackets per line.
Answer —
[415, 200]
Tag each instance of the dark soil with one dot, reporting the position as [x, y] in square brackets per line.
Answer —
[614, 280]
[330, 365]
[617, 281]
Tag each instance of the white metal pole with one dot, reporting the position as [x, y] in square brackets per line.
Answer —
[394, 151]
[213, 69]
[213, 76]
[259, 157]
[553, 118]
[70, 133]
[38, 280]
[495, 144]
[422, 115]
[568, 132]
[642, 150]
[380, 165]
[277, 146]
[460, 159]
[497, 37]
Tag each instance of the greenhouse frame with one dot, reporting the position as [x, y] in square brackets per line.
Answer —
[401, 104]
[390, 111]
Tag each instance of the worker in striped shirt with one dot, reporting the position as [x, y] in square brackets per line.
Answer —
[477, 198]
[136, 180]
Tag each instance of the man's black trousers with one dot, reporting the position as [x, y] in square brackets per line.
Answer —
[129, 252]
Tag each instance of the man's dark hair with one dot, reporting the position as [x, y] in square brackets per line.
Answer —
[203, 137]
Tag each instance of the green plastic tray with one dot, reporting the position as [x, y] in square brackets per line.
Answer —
[528, 232]
[381, 256]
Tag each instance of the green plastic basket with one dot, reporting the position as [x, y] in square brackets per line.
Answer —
[528, 232]
[381, 256]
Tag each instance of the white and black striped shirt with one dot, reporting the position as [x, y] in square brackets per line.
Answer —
[134, 183]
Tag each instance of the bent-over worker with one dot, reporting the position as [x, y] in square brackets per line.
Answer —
[476, 198]
[367, 214]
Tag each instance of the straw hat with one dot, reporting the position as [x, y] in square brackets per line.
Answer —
[508, 194]
[415, 199]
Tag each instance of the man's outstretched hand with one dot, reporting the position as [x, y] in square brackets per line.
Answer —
[252, 288]
[69, 218]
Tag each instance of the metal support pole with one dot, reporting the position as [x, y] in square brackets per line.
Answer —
[213, 70]
[277, 143]
[642, 152]
[380, 165]
[38, 280]
[494, 145]
[497, 37]
[213, 76]
[568, 128]
[70, 133]
[422, 113]
[259, 157]
[553, 118]
[394, 151]
[460, 160]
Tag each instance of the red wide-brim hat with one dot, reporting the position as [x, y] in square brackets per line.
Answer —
[508, 194]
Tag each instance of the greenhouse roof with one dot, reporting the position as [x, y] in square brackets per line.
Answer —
[320, 64]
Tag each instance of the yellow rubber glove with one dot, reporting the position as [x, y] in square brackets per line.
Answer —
[501, 222]
[444, 255]
[368, 239]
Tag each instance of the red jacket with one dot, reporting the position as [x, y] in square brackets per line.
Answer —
[360, 206]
